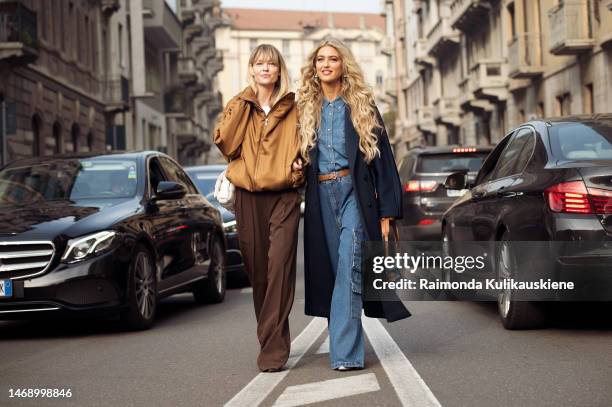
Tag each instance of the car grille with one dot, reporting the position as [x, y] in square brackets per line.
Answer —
[24, 259]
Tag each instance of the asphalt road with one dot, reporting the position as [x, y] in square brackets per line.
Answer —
[448, 353]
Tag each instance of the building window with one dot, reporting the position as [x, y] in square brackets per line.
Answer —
[57, 138]
[36, 128]
[120, 44]
[541, 112]
[71, 39]
[512, 17]
[563, 107]
[74, 137]
[252, 44]
[588, 100]
[286, 48]
[379, 78]
[90, 141]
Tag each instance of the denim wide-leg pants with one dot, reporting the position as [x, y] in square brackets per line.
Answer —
[344, 233]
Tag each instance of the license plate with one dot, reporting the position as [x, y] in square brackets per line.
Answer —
[6, 288]
[455, 192]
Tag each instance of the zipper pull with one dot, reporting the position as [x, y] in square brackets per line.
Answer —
[266, 121]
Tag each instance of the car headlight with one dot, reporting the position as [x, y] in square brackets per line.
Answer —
[230, 227]
[90, 245]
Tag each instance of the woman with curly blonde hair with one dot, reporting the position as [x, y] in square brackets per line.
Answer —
[352, 184]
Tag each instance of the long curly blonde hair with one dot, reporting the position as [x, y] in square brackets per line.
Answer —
[355, 93]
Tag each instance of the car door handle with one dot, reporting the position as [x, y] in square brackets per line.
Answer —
[508, 194]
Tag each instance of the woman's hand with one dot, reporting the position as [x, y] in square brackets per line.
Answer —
[297, 165]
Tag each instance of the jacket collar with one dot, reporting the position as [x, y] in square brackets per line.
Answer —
[281, 107]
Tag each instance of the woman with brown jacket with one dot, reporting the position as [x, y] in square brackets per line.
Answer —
[258, 134]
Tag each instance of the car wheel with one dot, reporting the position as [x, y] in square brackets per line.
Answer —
[142, 291]
[212, 289]
[514, 314]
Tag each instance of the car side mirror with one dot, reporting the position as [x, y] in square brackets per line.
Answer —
[457, 180]
[167, 190]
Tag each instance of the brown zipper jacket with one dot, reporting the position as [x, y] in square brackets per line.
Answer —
[260, 147]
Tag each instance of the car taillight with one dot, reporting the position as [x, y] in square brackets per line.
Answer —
[420, 186]
[601, 200]
[426, 222]
[575, 197]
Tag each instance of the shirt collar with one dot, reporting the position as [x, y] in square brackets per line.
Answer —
[337, 103]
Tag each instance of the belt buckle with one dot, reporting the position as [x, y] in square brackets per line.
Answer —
[334, 175]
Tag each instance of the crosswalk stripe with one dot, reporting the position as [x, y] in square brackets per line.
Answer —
[324, 348]
[263, 384]
[327, 390]
[410, 388]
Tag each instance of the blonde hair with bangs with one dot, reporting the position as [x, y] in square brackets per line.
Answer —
[355, 93]
[269, 53]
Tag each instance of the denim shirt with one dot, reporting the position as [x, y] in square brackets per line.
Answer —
[331, 141]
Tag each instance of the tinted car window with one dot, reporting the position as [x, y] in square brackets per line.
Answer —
[68, 179]
[526, 152]
[406, 167]
[582, 141]
[156, 174]
[176, 174]
[434, 163]
[507, 161]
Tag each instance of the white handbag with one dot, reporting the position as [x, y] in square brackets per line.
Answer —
[225, 192]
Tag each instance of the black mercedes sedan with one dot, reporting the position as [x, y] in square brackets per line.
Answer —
[547, 181]
[105, 234]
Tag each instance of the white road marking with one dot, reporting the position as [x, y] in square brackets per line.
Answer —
[408, 384]
[327, 390]
[247, 290]
[264, 383]
[324, 348]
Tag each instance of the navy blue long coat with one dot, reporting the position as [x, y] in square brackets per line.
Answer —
[380, 176]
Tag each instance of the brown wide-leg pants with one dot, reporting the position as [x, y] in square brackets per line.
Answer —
[268, 231]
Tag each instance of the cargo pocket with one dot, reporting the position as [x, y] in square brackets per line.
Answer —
[356, 277]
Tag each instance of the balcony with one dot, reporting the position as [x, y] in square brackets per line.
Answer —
[569, 28]
[205, 5]
[441, 38]
[215, 106]
[215, 65]
[176, 100]
[468, 100]
[489, 80]
[161, 25]
[110, 6]
[425, 119]
[446, 111]
[202, 43]
[187, 11]
[186, 70]
[117, 93]
[525, 56]
[386, 47]
[465, 15]
[193, 28]
[18, 33]
[391, 86]
[185, 126]
[420, 54]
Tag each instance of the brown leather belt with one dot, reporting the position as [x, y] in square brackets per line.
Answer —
[334, 175]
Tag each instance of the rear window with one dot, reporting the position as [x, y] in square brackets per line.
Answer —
[205, 181]
[582, 141]
[450, 162]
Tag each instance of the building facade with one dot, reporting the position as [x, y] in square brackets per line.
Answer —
[295, 34]
[468, 71]
[105, 78]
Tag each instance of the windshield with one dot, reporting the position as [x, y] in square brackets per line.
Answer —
[68, 179]
[582, 141]
[205, 181]
[451, 162]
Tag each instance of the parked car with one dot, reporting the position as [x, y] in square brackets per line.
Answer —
[546, 181]
[105, 234]
[204, 177]
[422, 173]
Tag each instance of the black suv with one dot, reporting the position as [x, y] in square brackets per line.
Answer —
[423, 172]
